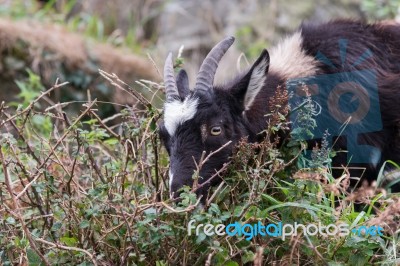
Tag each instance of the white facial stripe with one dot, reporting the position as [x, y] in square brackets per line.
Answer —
[257, 80]
[177, 112]
[171, 177]
[289, 59]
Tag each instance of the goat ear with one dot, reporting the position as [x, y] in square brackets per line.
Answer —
[250, 85]
[182, 82]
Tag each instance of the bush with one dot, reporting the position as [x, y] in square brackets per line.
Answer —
[86, 191]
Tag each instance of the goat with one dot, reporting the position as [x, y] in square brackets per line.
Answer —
[207, 117]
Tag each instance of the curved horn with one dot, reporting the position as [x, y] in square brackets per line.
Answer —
[171, 91]
[205, 78]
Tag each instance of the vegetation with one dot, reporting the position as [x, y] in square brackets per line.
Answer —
[83, 189]
[76, 192]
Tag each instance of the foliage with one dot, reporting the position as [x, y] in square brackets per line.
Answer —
[28, 41]
[77, 189]
[76, 192]
[386, 9]
[92, 25]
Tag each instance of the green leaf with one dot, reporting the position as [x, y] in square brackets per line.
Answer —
[252, 212]
[10, 220]
[214, 209]
[84, 224]
[237, 211]
[271, 199]
[200, 238]
[358, 259]
[298, 205]
[111, 142]
[231, 263]
[69, 241]
[332, 263]
[248, 256]
[56, 226]
[33, 258]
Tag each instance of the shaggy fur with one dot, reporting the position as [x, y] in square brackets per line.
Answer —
[383, 42]
[238, 107]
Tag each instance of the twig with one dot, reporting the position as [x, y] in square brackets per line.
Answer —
[202, 161]
[209, 258]
[56, 245]
[104, 125]
[17, 210]
[29, 107]
[187, 209]
[115, 81]
[155, 65]
[222, 169]
[37, 174]
[258, 257]
[215, 193]
[21, 136]
[216, 151]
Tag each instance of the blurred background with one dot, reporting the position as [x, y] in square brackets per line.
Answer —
[41, 41]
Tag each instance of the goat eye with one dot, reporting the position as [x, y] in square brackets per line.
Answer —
[215, 131]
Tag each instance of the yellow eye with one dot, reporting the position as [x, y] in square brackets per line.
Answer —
[215, 131]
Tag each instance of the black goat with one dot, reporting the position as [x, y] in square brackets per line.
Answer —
[351, 65]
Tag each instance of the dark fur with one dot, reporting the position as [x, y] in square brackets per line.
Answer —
[384, 42]
[224, 106]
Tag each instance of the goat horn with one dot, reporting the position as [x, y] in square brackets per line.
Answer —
[171, 91]
[205, 78]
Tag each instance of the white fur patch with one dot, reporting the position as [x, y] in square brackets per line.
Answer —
[290, 61]
[171, 178]
[257, 81]
[177, 112]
